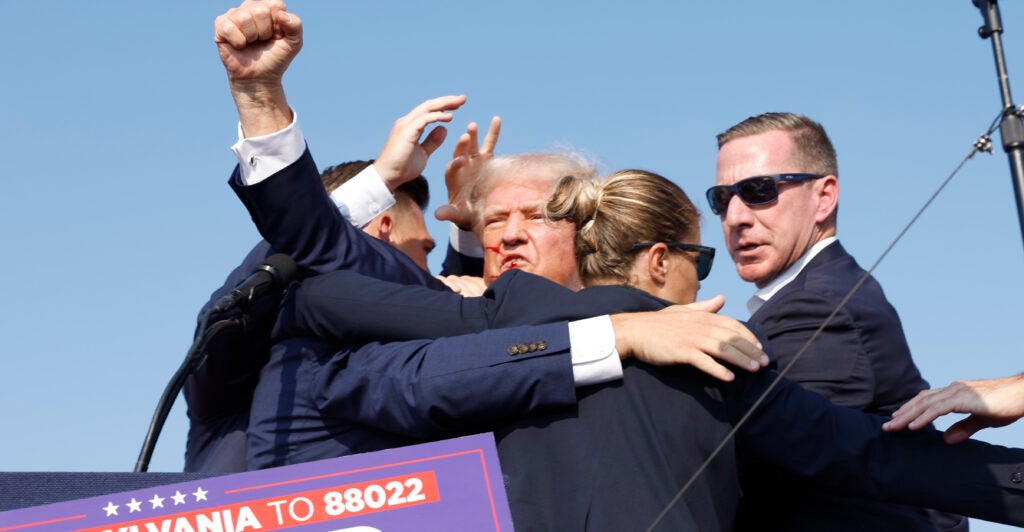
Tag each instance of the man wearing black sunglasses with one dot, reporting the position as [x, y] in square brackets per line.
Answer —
[777, 195]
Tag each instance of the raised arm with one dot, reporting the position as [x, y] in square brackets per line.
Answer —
[257, 42]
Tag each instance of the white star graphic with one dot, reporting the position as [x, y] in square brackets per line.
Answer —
[111, 509]
[157, 501]
[200, 494]
[134, 506]
[179, 498]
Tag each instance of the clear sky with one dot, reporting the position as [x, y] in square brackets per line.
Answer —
[116, 221]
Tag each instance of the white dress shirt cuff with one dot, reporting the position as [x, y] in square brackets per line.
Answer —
[465, 242]
[363, 197]
[263, 156]
[594, 357]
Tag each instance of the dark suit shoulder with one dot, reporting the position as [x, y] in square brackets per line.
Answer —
[861, 358]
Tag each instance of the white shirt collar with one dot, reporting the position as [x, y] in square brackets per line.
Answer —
[765, 293]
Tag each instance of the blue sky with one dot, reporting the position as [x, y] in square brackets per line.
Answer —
[116, 220]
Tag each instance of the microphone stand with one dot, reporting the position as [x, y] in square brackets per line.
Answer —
[193, 359]
[1010, 129]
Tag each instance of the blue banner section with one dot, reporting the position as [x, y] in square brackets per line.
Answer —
[446, 485]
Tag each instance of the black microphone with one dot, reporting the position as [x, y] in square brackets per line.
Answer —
[273, 274]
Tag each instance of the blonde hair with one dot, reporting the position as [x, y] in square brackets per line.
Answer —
[613, 214]
[533, 167]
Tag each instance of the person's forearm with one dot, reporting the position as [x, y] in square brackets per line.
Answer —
[262, 109]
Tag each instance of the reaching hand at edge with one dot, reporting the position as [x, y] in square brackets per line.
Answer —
[990, 403]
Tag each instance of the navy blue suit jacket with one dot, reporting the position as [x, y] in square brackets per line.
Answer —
[860, 360]
[294, 214]
[616, 457]
[314, 401]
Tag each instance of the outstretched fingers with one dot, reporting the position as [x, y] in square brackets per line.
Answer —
[491, 139]
[429, 112]
[404, 155]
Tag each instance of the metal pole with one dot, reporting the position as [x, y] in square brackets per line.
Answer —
[1010, 129]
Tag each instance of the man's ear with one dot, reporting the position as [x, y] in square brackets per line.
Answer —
[657, 263]
[828, 197]
[385, 227]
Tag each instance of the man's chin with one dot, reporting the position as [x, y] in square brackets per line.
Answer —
[752, 272]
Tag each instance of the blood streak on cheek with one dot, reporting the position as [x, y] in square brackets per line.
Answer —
[496, 251]
[501, 257]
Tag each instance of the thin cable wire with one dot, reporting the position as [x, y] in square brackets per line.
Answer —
[982, 144]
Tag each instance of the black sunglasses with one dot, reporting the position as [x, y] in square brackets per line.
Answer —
[705, 257]
[756, 190]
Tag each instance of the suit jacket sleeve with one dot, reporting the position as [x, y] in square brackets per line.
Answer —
[456, 384]
[472, 376]
[847, 451]
[348, 308]
[294, 214]
[836, 364]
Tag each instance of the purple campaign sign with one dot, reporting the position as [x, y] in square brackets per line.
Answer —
[446, 485]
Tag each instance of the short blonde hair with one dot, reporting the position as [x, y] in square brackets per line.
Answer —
[815, 149]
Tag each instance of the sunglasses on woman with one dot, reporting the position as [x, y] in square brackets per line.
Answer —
[705, 255]
[757, 190]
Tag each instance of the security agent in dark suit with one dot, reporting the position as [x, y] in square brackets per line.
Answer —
[615, 459]
[777, 195]
[219, 393]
